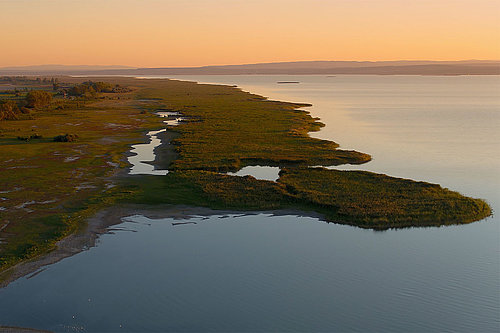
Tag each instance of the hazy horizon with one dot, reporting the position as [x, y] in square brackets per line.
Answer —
[131, 66]
[151, 33]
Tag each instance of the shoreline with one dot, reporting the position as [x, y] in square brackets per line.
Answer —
[99, 224]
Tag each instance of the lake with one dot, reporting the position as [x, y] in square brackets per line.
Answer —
[269, 272]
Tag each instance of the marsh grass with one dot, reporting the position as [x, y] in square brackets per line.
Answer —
[373, 200]
[358, 198]
[49, 188]
[228, 129]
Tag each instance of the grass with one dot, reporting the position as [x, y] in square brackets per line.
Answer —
[378, 201]
[359, 198]
[228, 129]
[207, 189]
[49, 189]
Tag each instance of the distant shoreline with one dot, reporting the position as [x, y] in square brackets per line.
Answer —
[469, 67]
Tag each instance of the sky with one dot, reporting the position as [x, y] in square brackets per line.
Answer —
[168, 33]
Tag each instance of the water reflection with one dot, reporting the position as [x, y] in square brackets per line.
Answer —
[258, 172]
[292, 273]
[144, 153]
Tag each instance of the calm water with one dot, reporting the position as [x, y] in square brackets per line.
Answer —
[144, 153]
[259, 172]
[289, 273]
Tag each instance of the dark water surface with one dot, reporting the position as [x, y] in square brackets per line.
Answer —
[289, 273]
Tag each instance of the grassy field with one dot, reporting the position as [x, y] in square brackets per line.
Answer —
[48, 189]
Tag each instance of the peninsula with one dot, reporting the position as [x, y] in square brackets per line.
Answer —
[63, 160]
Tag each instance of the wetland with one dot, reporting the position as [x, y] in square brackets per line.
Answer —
[223, 131]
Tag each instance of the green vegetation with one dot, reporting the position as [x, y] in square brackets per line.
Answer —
[359, 198]
[27, 81]
[227, 129]
[90, 89]
[28, 138]
[378, 201]
[224, 129]
[22, 101]
[66, 138]
[207, 189]
[47, 188]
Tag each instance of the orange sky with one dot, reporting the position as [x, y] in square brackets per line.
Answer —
[152, 33]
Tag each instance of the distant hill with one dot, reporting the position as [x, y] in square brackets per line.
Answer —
[60, 68]
[405, 67]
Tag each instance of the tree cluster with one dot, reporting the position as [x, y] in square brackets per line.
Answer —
[9, 110]
[12, 109]
[38, 99]
[17, 80]
[91, 89]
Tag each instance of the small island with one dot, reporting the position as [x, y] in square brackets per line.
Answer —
[64, 146]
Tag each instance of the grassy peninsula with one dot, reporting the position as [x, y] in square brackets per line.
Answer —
[228, 129]
[49, 189]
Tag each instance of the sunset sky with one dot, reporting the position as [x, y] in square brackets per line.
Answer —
[153, 33]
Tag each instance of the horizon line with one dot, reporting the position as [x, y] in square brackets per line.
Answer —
[241, 64]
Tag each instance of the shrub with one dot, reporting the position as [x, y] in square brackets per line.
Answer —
[28, 138]
[66, 138]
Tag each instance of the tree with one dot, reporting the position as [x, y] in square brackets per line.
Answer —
[38, 99]
[9, 110]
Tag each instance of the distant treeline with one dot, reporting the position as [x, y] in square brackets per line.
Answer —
[20, 80]
[12, 109]
[90, 89]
